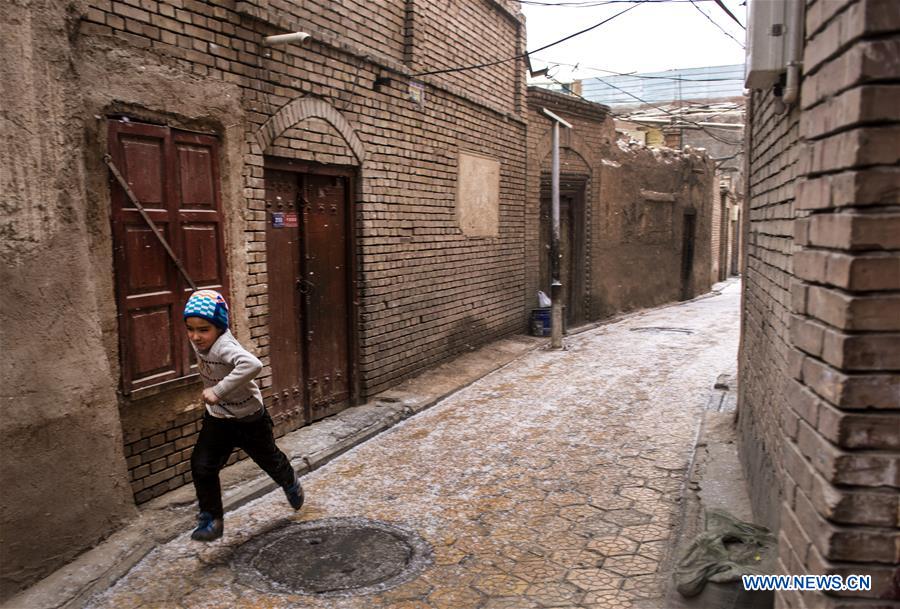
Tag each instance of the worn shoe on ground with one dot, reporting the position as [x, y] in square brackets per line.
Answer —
[208, 528]
[294, 494]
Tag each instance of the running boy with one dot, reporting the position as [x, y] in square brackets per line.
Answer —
[235, 415]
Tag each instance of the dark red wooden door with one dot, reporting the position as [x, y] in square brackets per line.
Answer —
[309, 310]
[284, 277]
[325, 289]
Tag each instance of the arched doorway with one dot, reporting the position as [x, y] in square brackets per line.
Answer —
[312, 159]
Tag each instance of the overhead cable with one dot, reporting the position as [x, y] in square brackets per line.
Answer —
[713, 21]
[730, 14]
[624, 117]
[642, 76]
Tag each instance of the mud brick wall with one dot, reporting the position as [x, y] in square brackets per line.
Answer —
[62, 444]
[822, 295]
[635, 200]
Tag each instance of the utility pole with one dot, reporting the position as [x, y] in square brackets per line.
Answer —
[556, 284]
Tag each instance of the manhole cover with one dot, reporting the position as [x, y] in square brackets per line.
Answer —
[332, 557]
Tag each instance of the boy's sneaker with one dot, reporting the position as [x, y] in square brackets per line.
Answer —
[294, 493]
[208, 528]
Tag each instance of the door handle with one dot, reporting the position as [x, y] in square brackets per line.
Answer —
[305, 286]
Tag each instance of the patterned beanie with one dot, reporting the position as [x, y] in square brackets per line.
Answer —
[209, 305]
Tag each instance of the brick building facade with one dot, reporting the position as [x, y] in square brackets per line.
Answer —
[635, 222]
[330, 177]
[819, 406]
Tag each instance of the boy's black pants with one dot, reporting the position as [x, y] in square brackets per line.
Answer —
[218, 437]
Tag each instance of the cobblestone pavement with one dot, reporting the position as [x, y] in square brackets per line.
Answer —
[552, 482]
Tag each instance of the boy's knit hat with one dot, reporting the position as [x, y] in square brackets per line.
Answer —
[210, 305]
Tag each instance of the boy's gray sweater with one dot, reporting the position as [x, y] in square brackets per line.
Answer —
[229, 369]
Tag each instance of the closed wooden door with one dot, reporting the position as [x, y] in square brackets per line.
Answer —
[687, 254]
[309, 309]
[571, 249]
[283, 268]
[325, 290]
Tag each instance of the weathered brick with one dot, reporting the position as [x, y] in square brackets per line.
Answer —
[804, 402]
[794, 533]
[878, 312]
[807, 335]
[876, 507]
[867, 104]
[848, 149]
[851, 390]
[872, 469]
[856, 272]
[854, 430]
[157, 465]
[860, 19]
[151, 454]
[820, 13]
[862, 352]
[864, 62]
[883, 579]
[853, 231]
[840, 543]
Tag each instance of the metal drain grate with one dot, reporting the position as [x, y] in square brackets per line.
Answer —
[331, 557]
[662, 329]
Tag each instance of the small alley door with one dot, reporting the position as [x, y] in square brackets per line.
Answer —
[308, 268]
[571, 246]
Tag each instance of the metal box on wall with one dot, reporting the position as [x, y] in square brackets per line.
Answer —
[767, 35]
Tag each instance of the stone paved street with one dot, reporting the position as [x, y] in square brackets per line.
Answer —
[552, 482]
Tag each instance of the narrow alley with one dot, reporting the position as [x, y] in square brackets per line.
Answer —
[552, 482]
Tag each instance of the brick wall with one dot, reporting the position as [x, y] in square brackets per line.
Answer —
[425, 290]
[820, 389]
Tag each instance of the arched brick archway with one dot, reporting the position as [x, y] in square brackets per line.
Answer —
[302, 109]
[575, 143]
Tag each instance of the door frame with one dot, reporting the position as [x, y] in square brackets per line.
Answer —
[574, 186]
[688, 251]
[351, 194]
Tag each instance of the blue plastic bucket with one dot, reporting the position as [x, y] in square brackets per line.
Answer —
[540, 321]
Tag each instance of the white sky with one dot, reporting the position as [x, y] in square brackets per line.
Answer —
[653, 36]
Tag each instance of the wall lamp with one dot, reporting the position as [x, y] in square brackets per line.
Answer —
[301, 37]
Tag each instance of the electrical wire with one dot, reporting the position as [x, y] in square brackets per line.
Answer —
[521, 55]
[730, 14]
[642, 76]
[721, 161]
[711, 20]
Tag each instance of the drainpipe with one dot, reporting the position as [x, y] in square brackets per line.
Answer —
[794, 63]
